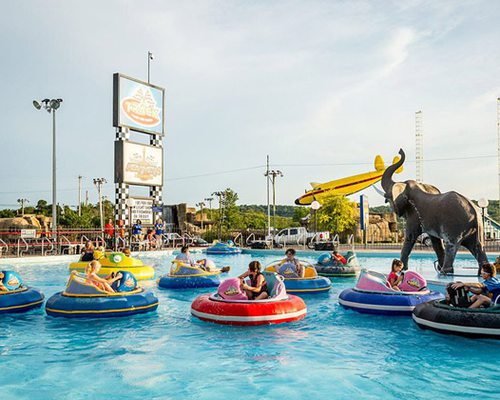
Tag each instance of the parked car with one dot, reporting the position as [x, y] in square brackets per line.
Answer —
[300, 235]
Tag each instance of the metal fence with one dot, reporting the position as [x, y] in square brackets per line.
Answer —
[31, 242]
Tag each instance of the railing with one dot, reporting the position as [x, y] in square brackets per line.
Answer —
[4, 248]
[50, 245]
[250, 239]
[20, 252]
[238, 240]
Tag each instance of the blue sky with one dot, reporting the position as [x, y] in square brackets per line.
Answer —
[307, 82]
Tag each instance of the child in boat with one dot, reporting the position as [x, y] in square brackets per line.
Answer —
[127, 252]
[257, 290]
[486, 293]
[290, 258]
[91, 272]
[88, 251]
[338, 258]
[185, 256]
[2, 286]
[395, 278]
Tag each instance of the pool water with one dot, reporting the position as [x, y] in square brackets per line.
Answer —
[332, 353]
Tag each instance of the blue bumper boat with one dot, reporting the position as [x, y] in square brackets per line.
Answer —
[185, 276]
[17, 298]
[82, 298]
[224, 248]
[311, 283]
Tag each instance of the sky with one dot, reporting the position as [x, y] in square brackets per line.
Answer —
[321, 87]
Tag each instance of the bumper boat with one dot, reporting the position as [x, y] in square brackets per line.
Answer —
[311, 283]
[82, 298]
[114, 262]
[230, 305]
[18, 298]
[327, 267]
[371, 294]
[184, 276]
[473, 322]
[223, 248]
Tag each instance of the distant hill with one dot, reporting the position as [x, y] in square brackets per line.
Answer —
[281, 211]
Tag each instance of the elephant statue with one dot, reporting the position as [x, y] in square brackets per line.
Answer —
[450, 219]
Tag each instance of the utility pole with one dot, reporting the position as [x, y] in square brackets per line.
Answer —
[80, 195]
[98, 182]
[86, 197]
[498, 138]
[22, 202]
[268, 205]
[209, 199]
[272, 175]
[219, 195]
[419, 146]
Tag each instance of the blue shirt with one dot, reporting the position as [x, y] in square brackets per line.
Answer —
[159, 229]
[137, 229]
[492, 286]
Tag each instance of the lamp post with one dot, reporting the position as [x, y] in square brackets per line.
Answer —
[483, 203]
[272, 176]
[201, 204]
[219, 195]
[51, 105]
[150, 58]
[98, 182]
[315, 205]
[22, 202]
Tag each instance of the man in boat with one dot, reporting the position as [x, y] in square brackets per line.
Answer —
[486, 293]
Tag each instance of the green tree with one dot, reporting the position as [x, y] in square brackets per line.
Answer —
[299, 213]
[231, 217]
[336, 214]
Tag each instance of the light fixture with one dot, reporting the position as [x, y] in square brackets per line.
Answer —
[37, 105]
[315, 205]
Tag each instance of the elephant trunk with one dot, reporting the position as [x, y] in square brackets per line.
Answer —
[387, 181]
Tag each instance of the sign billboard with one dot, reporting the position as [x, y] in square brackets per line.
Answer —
[138, 164]
[138, 105]
[28, 233]
[141, 209]
[364, 212]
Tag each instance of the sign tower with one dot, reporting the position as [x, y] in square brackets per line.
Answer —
[138, 107]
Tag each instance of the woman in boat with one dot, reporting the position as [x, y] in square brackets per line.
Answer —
[291, 259]
[88, 251]
[257, 290]
[486, 293]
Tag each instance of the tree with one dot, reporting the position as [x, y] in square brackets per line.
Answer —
[337, 214]
[231, 217]
[299, 213]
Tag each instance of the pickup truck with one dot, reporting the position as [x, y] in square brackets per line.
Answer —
[293, 236]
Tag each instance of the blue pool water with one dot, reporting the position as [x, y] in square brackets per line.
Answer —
[332, 353]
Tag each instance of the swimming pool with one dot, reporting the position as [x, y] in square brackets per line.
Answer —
[332, 353]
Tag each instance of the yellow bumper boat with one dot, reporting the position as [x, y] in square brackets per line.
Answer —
[116, 261]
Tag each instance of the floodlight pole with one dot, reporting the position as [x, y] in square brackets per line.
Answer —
[54, 183]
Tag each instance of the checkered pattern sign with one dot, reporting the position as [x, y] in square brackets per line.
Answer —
[122, 189]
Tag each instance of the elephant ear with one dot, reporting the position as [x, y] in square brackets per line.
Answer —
[398, 198]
